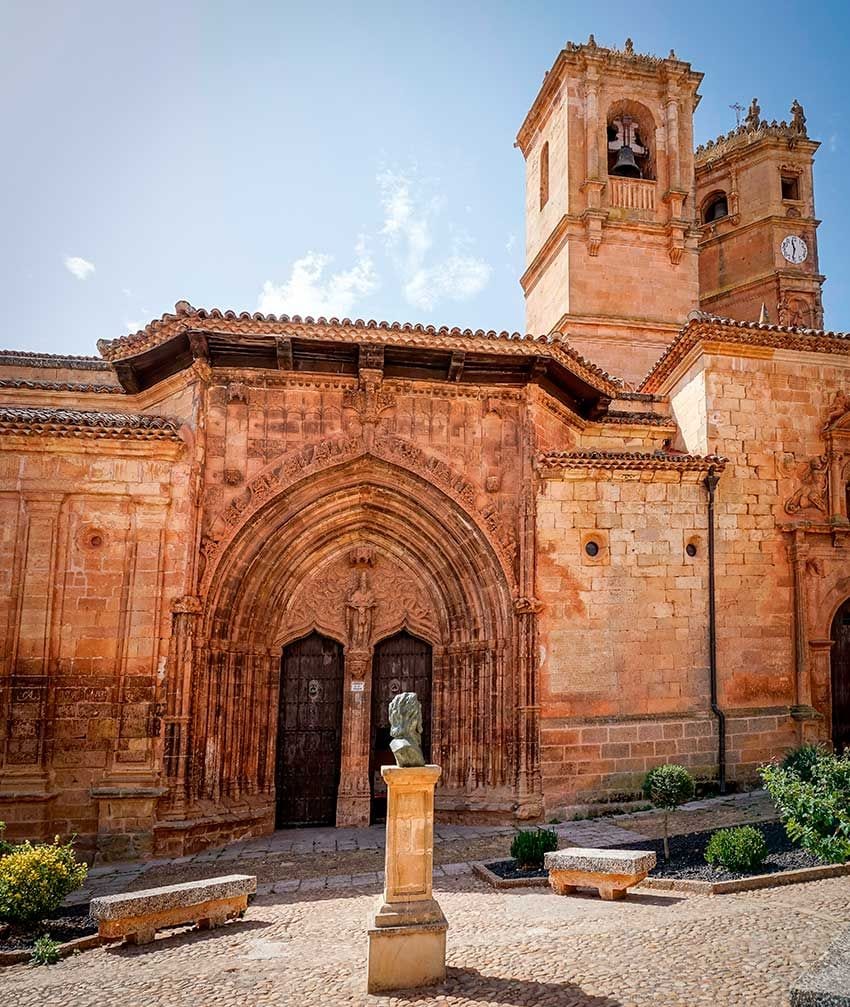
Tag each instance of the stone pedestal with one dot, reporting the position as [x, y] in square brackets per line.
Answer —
[407, 940]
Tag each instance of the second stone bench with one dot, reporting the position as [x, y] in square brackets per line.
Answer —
[610, 872]
[136, 916]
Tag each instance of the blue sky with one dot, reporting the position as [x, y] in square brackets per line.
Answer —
[342, 158]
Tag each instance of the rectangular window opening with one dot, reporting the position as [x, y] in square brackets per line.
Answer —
[544, 175]
[790, 187]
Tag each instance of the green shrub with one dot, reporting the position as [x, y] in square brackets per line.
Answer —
[4, 846]
[35, 879]
[667, 787]
[803, 760]
[813, 800]
[740, 849]
[45, 951]
[529, 846]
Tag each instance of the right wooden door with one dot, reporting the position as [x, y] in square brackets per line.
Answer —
[840, 674]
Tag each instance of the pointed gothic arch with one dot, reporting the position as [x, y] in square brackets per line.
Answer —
[292, 567]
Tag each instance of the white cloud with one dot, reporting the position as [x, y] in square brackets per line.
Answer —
[81, 268]
[456, 278]
[833, 143]
[509, 244]
[409, 214]
[133, 326]
[309, 291]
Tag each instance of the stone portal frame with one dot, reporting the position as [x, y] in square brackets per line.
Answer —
[484, 643]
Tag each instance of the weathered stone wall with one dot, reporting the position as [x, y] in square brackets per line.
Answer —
[93, 543]
[623, 633]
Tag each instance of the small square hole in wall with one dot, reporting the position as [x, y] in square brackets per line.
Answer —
[790, 187]
[595, 549]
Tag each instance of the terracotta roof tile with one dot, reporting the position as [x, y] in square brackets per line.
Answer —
[187, 317]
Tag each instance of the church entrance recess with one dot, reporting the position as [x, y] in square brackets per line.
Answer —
[840, 673]
[309, 732]
[402, 663]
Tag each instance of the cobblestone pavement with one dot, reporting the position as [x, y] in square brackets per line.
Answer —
[312, 859]
[520, 948]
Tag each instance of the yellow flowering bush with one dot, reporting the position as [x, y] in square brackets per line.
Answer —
[35, 879]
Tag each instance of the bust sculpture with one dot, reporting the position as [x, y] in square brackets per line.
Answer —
[406, 730]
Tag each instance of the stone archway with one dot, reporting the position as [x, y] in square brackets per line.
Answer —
[357, 552]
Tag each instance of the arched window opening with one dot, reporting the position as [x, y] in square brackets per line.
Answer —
[544, 175]
[630, 134]
[716, 207]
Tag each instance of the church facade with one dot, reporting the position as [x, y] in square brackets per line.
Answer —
[229, 540]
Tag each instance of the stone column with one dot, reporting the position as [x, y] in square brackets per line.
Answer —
[672, 113]
[185, 613]
[591, 122]
[354, 798]
[407, 941]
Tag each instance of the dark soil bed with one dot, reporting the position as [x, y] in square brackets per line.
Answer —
[510, 871]
[65, 924]
[687, 858]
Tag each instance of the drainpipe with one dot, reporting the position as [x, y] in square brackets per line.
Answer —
[710, 482]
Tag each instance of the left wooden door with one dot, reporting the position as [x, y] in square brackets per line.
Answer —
[309, 732]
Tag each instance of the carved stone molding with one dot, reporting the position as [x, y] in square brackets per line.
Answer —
[370, 398]
[314, 458]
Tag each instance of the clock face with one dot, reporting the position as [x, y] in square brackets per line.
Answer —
[794, 249]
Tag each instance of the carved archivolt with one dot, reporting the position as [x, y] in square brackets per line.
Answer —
[314, 458]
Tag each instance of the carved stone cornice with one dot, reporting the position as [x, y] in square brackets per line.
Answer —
[60, 386]
[552, 462]
[78, 423]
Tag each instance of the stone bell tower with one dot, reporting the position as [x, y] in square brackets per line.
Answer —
[611, 242]
[758, 232]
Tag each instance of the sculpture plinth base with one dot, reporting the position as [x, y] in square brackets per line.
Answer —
[406, 957]
[407, 941]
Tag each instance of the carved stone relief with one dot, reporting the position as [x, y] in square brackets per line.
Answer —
[812, 475]
[360, 598]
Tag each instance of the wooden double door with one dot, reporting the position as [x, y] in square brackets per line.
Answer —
[309, 738]
[840, 675]
[402, 663]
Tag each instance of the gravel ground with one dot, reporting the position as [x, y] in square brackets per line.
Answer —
[526, 948]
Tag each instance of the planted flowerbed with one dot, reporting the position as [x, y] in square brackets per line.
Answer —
[687, 856]
[65, 924]
[34, 881]
[687, 859]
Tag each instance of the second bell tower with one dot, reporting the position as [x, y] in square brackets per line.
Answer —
[611, 239]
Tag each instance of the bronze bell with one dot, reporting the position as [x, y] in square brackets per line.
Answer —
[626, 164]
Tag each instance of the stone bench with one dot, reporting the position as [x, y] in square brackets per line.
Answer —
[137, 916]
[610, 872]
